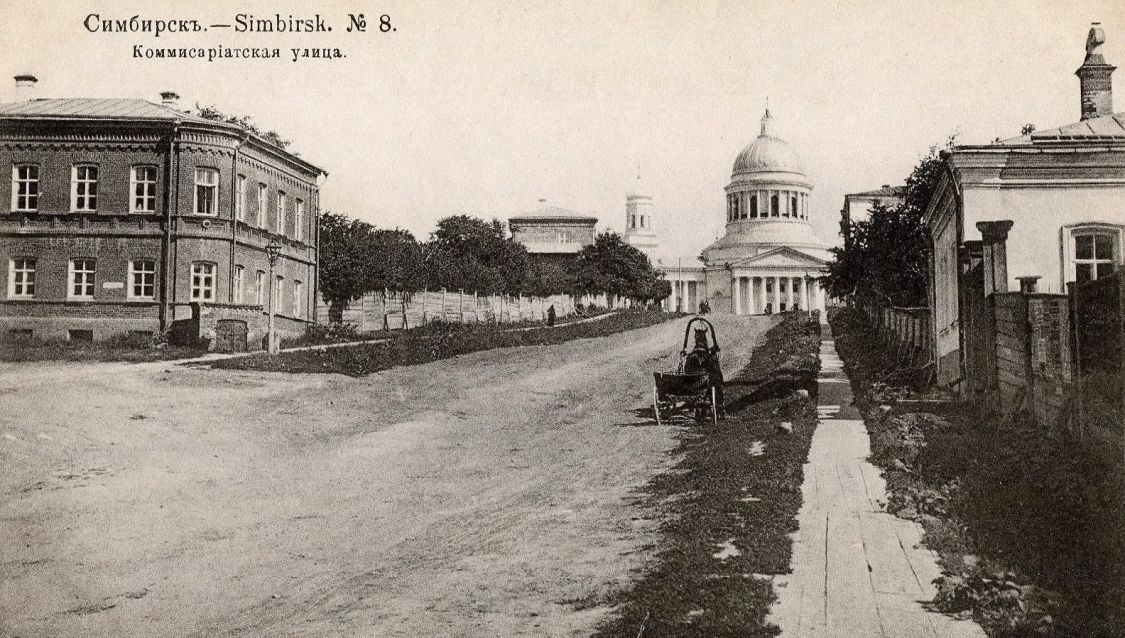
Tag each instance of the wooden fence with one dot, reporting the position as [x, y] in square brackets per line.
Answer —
[1098, 313]
[906, 331]
[395, 310]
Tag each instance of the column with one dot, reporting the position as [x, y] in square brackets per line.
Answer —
[750, 301]
[804, 298]
[775, 294]
[736, 296]
[761, 294]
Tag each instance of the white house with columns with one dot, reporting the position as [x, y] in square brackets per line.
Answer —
[768, 260]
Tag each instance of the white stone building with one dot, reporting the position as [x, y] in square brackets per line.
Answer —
[768, 260]
[1054, 199]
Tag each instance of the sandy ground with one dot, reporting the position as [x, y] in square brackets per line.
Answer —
[467, 497]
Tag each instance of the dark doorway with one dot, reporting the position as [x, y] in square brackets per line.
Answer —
[230, 335]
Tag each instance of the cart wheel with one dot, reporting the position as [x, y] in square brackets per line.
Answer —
[656, 405]
[714, 406]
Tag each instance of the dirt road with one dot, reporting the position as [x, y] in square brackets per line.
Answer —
[467, 497]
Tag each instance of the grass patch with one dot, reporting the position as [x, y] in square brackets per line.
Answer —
[438, 340]
[125, 347]
[735, 493]
[1029, 524]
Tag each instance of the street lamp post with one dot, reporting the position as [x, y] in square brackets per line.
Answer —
[273, 251]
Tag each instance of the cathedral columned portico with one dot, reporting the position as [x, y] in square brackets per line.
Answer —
[755, 293]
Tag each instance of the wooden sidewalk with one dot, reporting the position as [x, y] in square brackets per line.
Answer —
[857, 571]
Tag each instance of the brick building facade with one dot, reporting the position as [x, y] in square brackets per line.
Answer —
[119, 214]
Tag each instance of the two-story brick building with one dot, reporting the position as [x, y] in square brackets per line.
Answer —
[120, 214]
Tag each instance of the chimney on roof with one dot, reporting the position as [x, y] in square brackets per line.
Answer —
[1096, 77]
[25, 86]
[171, 99]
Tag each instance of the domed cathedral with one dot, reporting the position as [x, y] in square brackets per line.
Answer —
[768, 260]
[638, 220]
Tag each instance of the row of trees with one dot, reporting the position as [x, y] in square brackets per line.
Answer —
[887, 255]
[466, 253]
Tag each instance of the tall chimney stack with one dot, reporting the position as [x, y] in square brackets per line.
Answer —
[1096, 77]
[25, 86]
[171, 99]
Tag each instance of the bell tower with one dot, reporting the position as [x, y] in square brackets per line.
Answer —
[638, 219]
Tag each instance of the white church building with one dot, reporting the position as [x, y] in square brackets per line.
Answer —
[768, 260]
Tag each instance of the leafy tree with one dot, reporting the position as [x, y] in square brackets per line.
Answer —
[612, 266]
[356, 258]
[344, 248]
[551, 278]
[887, 255]
[395, 261]
[471, 254]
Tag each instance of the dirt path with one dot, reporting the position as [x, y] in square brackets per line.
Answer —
[467, 497]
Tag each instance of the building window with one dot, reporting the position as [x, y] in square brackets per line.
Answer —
[795, 210]
[239, 274]
[1096, 254]
[296, 299]
[260, 288]
[262, 194]
[753, 205]
[21, 278]
[775, 206]
[279, 222]
[278, 292]
[84, 188]
[240, 198]
[82, 273]
[206, 191]
[142, 279]
[142, 185]
[25, 187]
[202, 281]
[299, 221]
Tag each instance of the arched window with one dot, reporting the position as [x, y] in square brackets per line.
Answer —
[775, 204]
[796, 209]
[754, 205]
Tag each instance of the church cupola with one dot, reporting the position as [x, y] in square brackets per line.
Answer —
[1096, 77]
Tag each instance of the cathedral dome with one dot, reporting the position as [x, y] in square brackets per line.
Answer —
[768, 154]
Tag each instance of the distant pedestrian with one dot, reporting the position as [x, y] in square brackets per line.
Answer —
[704, 307]
[551, 316]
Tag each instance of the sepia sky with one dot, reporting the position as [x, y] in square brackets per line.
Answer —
[485, 107]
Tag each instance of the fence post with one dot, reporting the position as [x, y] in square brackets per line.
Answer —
[424, 295]
[461, 304]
